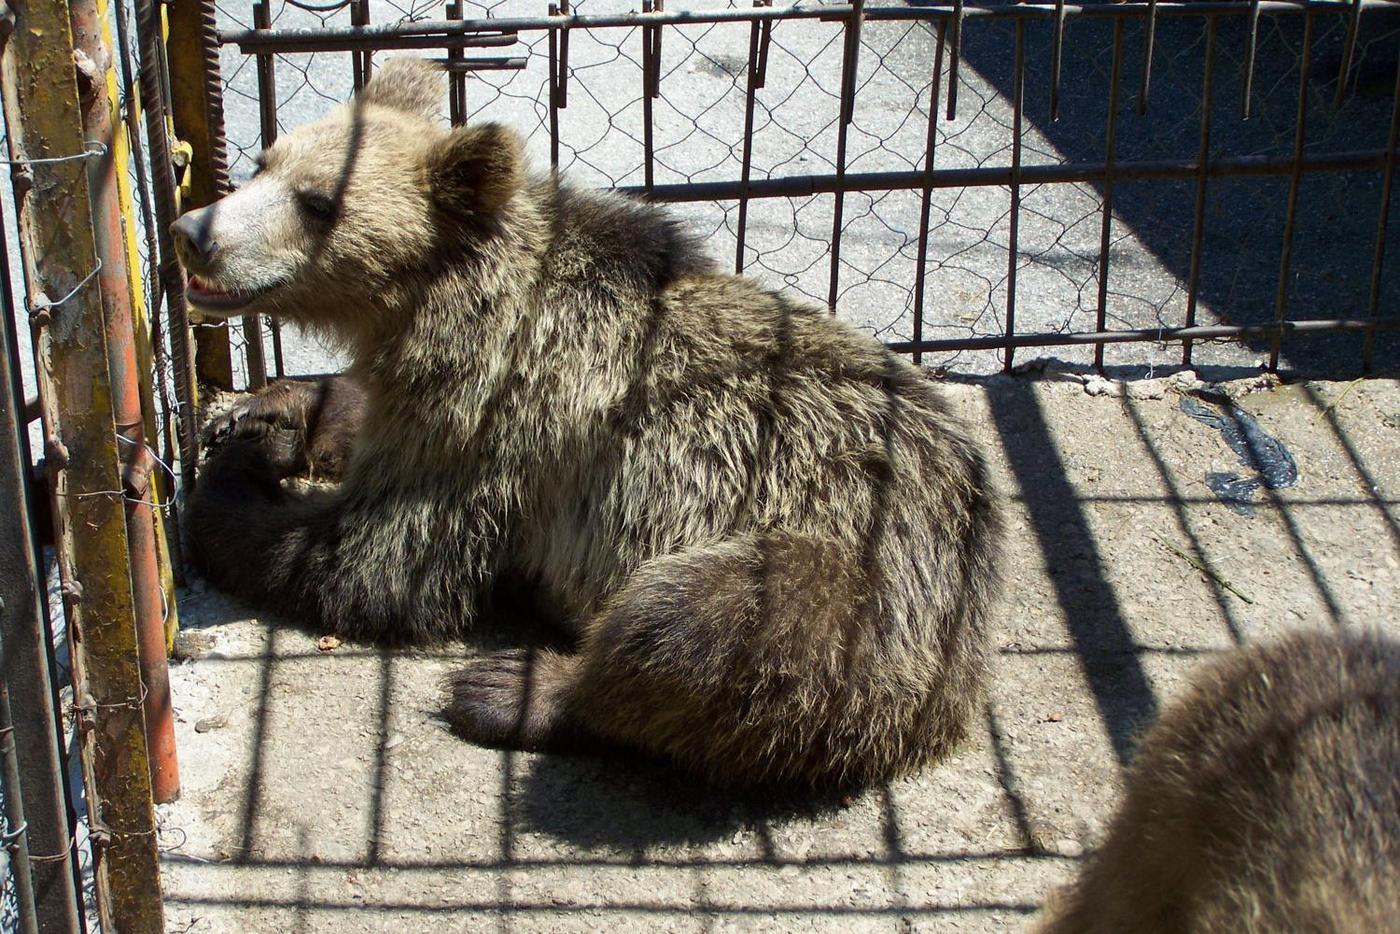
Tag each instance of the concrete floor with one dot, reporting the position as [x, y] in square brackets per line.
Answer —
[320, 794]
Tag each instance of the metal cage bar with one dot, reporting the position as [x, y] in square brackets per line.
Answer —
[1198, 223]
[947, 21]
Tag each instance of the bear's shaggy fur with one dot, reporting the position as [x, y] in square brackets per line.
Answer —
[773, 543]
[1268, 799]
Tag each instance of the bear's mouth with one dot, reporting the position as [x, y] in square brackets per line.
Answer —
[206, 295]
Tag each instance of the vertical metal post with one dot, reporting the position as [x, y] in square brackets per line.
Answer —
[456, 78]
[41, 104]
[1348, 53]
[554, 81]
[1294, 181]
[150, 355]
[267, 79]
[756, 76]
[1378, 260]
[1198, 229]
[25, 671]
[1018, 82]
[16, 827]
[115, 287]
[267, 119]
[849, 68]
[1110, 158]
[955, 56]
[1149, 41]
[196, 107]
[1057, 57]
[651, 88]
[1250, 52]
[926, 204]
[172, 278]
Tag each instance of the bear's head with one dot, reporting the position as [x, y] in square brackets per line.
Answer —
[343, 209]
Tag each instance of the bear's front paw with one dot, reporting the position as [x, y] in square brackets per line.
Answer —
[254, 416]
[510, 700]
[266, 454]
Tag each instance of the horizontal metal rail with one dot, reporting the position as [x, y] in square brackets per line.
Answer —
[354, 37]
[283, 42]
[802, 185]
[454, 35]
[1152, 335]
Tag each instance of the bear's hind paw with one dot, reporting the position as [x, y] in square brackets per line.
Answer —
[512, 700]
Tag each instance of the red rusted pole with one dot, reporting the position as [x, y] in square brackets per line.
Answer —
[49, 149]
[96, 81]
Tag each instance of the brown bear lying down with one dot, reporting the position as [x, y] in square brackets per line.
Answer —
[772, 543]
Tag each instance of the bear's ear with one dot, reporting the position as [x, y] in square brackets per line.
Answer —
[408, 84]
[476, 169]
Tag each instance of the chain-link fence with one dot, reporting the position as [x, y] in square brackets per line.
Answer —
[1094, 199]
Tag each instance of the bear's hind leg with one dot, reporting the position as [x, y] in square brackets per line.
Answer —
[755, 661]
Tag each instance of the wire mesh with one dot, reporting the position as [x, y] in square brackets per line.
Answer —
[612, 133]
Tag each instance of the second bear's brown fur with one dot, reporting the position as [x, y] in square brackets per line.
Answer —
[1266, 800]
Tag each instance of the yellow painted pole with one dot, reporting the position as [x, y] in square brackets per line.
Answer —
[43, 118]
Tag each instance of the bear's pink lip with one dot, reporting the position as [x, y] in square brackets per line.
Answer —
[205, 294]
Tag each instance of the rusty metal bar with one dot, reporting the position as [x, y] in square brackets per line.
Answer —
[150, 355]
[553, 91]
[281, 42]
[803, 185]
[1295, 180]
[149, 333]
[1151, 335]
[959, 14]
[1378, 260]
[1198, 228]
[15, 827]
[1110, 155]
[754, 82]
[1348, 53]
[562, 85]
[364, 59]
[651, 89]
[647, 91]
[267, 79]
[196, 109]
[172, 278]
[456, 90]
[267, 127]
[849, 66]
[357, 74]
[41, 104]
[561, 20]
[459, 70]
[1056, 57]
[26, 669]
[1251, 52]
[1149, 41]
[1018, 81]
[114, 281]
[926, 203]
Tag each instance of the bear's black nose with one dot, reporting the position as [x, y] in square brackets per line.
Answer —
[194, 237]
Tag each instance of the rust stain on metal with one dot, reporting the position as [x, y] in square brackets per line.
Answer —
[101, 122]
[56, 238]
[197, 112]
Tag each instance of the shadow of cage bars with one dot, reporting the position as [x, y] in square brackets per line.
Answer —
[1123, 185]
